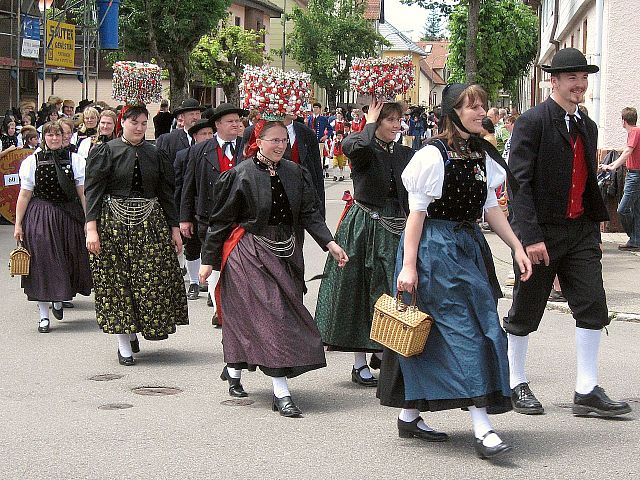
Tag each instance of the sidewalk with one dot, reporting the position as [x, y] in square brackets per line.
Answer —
[620, 272]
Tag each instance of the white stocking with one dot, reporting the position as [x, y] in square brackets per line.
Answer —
[212, 281]
[587, 348]
[234, 372]
[44, 309]
[193, 267]
[517, 354]
[280, 387]
[124, 345]
[360, 360]
[481, 425]
[410, 414]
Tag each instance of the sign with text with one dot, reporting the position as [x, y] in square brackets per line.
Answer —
[10, 181]
[61, 50]
[30, 36]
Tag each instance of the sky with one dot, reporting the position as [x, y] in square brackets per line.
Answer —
[405, 17]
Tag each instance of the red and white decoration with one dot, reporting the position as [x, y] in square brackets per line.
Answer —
[135, 82]
[382, 77]
[274, 92]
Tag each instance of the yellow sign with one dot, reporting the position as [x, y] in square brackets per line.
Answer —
[61, 51]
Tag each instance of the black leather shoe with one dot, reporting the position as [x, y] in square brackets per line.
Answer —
[286, 407]
[491, 452]
[524, 401]
[58, 313]
[209, 301]
[599, 403]
[194, 291]
[365, 382]
[411, 430]
[126, 361]
[235, 387]
[43, 328]
[135, 345]
[215, 322]
[375, 362]
[68, 305]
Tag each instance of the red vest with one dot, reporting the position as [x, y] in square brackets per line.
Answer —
[223, 161]
[295, 154]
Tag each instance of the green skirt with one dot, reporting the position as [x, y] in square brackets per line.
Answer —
[347, 295]
[137, 280]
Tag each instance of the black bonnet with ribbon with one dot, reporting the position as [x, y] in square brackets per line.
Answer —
[450, 96]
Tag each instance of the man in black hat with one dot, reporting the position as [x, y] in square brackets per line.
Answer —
[205, 163]
[201, 131]
[556, 214]
[189, 112]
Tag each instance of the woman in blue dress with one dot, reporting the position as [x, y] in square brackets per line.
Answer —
[445, 258]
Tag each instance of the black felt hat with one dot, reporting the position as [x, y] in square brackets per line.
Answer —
[225, 109]
[569, 60]
[188, 105]
[199, 125]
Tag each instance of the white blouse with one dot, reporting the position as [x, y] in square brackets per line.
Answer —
[27, 171]
[424, 178]
[84, 147]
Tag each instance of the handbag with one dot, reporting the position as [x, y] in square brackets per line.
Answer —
[400, 327]
[19, 261]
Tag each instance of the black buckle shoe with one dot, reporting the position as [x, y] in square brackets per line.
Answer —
[235, 387]
[375, 362]
[524, 401]
[57, 312]
[126, 361]
[411, 430]
[599, 403]
[485, 452]
[135, 345]
[194, 292]
[365, 382]
[68, 305]
[215, 322]
[286, 407]
[43, 328]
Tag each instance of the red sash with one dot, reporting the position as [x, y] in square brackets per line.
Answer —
[349, 199]
[229, 244]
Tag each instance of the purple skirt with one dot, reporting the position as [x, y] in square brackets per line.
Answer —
[59, 258]
[265, 322]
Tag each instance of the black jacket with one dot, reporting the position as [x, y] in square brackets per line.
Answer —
[243, 197]
[541, 159]
[110, 172]
[162, 123]
[308, 154]
[370, 168]
[180, 167]
[173, 142]
[200, 176]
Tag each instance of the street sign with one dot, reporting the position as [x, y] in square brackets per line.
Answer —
[61, 50]
[30, 48]
[30, 36]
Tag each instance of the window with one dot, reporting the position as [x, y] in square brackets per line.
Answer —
[584, 36]
[237, 21]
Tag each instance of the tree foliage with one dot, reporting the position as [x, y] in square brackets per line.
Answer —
[168, 31]
[507, 43]
[432, 28]
[327, 37]
[218, 58]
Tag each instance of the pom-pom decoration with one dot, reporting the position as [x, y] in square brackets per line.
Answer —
[274, 92]
[382, 77]
[135, 82]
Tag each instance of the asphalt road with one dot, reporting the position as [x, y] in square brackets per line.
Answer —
[54, 425]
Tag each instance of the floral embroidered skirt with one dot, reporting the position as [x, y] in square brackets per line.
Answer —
[137, 280]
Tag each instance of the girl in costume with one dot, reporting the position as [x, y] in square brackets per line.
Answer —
[106, 132]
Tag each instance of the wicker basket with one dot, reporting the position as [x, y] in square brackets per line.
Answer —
[400, 327]
[19, 261]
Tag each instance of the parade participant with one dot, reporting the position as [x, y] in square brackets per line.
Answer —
[133, 236]
[339, 158]
[301, 149]
[446, 261]
[68, 108]
[163, 119]
[556, 215]
[320, 126]
[89, 126]
[50, 222]
[252, 240]
[369, 231]
[359, 121]
[30, 138]
[8, 138]
[338, 123]
[106, 132]
[187, 114]
[200, 132]
[204, 165]
[67, 125]
[629, 208]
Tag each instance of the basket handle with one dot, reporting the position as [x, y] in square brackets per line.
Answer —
[19, 243]
[400, 305]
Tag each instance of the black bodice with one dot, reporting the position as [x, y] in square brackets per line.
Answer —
[464, 190]
[47, 186]
[280, 208]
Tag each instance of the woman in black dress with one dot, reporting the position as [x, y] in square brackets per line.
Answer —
[133, 236]
[260, 209]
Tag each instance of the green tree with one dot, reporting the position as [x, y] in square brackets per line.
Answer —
[432, 27]
[168, 31]
[218, 58]
[327, 37]
[507, 43]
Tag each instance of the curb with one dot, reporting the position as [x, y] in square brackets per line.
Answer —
[564, 308]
